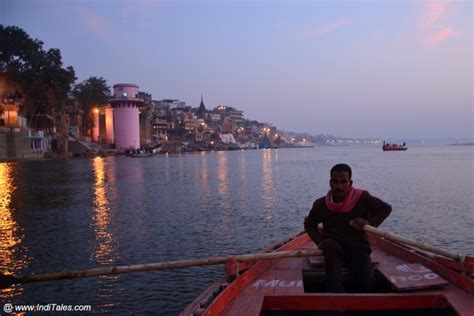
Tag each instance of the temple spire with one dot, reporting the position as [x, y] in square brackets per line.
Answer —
[202, 108]
[202, 102]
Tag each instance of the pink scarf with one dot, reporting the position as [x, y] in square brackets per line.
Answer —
[348, 204]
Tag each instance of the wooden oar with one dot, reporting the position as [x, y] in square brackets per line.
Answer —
[407, 241]
[8, 280]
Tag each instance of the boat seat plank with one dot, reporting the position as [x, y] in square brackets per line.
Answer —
[245, 304]
[250, 300]
[318, 262]
[411, 276]
[273, 281]
[289, 282]
[292, 264]
[263, 284]
[377, 256]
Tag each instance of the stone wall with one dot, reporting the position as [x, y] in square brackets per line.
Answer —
[17, 145]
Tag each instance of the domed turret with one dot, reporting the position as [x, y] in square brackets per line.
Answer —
[126, 104]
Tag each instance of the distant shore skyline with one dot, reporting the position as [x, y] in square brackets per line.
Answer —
[398, 70]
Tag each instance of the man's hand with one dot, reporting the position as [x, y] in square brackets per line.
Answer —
[359, 223]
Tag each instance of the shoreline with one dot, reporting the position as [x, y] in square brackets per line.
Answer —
[90, 155]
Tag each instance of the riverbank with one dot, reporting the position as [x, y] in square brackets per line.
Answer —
[90, 150]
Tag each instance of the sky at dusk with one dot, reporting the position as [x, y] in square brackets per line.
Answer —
[382, 69]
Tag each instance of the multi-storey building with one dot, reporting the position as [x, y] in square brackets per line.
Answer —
[146, 116]
[234, 118]
[215, 117]
[16, 139]
[160, 125]
[189, 122]
[11, 101]
[171, 104]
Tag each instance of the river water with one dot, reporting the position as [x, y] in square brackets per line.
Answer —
[76, 214]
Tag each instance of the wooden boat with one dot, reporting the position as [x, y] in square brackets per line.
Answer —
[409, 282]
[143, 153]
[394, 147]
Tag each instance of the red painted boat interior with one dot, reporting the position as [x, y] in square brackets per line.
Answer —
[295, 286]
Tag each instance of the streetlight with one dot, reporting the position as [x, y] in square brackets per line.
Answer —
[94, 124]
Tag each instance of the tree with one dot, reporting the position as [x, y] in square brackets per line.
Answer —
[43, 81]
[91, 92]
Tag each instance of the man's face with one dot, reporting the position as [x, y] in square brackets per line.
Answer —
[340, 185]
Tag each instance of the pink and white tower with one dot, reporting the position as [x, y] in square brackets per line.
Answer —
[126, 103]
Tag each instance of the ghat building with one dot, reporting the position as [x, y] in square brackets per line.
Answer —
[118, 123]
[16, 139]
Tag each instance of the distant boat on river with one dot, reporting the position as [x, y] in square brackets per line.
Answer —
[394, 147]
[148, 152]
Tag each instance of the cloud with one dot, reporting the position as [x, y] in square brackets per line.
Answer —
[435, 23]
[328, 27]
[96, 24]
[441, 35]
[434, 12]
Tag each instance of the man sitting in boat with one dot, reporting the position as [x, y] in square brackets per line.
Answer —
[340, 242]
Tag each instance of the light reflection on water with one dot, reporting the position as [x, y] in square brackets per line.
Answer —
[202, 173]
[102, 216]
[142, 210]
[223, 175]
[11, 236]
[267, 182]
[9, 227]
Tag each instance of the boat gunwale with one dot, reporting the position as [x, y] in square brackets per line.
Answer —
[229, 293]
[411, 255]
[232, 290]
